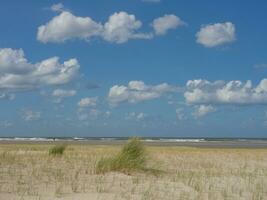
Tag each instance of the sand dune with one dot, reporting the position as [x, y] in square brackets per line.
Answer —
[28, 172]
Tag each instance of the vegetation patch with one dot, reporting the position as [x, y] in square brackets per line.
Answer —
[57, 149]
[131, 158]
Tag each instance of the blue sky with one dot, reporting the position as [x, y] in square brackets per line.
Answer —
[141, 67]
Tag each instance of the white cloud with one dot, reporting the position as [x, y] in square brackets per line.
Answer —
[7, 96]
[137, 91]
[220, 92]
[87, 102]
[59, 7]
[30, 115]
[163, 24]
[67, 26]
[14, 61]
[136, 116]
[203, 110]
[121, 27]
[18, 74]
[216, 34]
[60, 94]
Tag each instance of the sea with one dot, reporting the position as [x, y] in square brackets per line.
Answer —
[145, 139]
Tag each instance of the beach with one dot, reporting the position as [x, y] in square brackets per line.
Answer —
[188, 170]
[178, 142]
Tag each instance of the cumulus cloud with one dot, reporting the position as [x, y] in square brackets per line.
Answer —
[13, 61]
[87, 102]
[60, 94]
[216, 34]
[137, 91]
[30, 115]
[16, 73]
[119, 28]
[163, 24]
[221, 92]
[67, 26]
[203, 110]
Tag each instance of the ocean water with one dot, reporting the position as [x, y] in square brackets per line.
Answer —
[146, 139]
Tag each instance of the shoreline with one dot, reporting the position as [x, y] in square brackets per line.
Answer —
[251, 144]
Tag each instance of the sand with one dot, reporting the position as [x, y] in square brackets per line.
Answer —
[203, 144]
[209, 172]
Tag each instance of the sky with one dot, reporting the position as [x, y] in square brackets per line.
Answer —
[161, 68]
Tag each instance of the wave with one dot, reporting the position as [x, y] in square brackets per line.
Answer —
[182, 140]
[145, 139]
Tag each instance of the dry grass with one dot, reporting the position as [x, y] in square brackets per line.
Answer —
[28, 172]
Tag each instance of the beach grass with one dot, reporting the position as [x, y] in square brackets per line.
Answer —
[130, 159]
[27, 171]
[57, 149]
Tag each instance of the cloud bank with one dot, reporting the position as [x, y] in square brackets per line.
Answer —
[16, 73]
[119, 28]
[221, 92]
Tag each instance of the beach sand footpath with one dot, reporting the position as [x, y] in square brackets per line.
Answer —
[27, 171]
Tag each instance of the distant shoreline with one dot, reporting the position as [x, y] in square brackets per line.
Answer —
[175, 142]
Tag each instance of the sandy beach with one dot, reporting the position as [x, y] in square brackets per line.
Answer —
[200, 170]
[242, 143]
[133, 100]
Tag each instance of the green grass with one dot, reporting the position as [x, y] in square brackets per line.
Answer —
[57, 149]
[131, 158]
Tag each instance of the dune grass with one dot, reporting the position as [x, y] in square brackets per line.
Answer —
[27, 171]
[57, 149]
[132, 158]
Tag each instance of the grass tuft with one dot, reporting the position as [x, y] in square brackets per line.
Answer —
[57, 149]
[131, 158]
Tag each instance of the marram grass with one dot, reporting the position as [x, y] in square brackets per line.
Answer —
[131, 158]
[57, 149]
